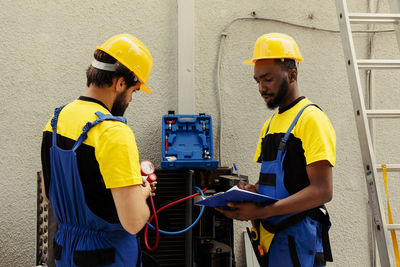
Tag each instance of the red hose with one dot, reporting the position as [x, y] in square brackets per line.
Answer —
[147, 228]
[156, 219]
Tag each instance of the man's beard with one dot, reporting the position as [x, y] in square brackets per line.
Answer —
[119, 106]
[283, 90]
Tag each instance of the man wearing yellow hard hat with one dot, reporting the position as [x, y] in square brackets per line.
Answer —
[296, 150]
[91, 163]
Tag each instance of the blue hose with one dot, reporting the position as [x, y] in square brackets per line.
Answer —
[189, 227]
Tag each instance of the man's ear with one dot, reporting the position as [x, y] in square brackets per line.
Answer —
[120, 84]
[292, 75]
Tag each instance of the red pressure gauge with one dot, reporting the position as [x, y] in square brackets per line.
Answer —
[147, 169]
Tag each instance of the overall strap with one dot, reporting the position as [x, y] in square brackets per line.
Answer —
[54, 124]
[282, 144]
[89, 125]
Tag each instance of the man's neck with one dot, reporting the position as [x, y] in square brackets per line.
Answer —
[105, 95]
[293, 94]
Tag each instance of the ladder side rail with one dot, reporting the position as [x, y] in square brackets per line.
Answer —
[390, 168]
[394, 8]
[363, 132]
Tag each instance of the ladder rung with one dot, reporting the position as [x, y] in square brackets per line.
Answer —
[373, 18]
[393, 226]
[378, 63]
[389, 167]
[382, 113]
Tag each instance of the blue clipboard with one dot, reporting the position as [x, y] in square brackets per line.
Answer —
[235, 194]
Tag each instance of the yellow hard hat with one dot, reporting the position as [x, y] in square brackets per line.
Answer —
[133, 54]
[275, 45]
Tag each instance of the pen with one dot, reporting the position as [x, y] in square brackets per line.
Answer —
[237, 172]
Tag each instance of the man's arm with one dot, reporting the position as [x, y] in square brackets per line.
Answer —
[317, 193]
[130, 201]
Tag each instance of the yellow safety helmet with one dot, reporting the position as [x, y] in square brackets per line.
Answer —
[275, 45]
[133, 54]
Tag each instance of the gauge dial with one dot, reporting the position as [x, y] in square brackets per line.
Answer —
[147, 167]
[151, 178]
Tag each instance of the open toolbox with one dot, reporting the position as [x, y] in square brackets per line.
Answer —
[187, 142]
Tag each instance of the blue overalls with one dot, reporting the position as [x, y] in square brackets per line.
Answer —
[294, 239]
[84, 239]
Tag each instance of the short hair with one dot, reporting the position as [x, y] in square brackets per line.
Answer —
[102, 78]
[287, 63]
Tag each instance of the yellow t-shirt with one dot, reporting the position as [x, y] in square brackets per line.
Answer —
[108, 158]
[113, 142]
[312, 139]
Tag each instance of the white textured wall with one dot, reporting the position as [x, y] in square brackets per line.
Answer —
[46, 46]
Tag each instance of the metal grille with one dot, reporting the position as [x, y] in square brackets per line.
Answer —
[46, 228]
[42, 226]
[174, 250]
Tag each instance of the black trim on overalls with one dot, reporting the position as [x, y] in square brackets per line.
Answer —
[57, 249]
[267, 179]
[319, 259]
[323, 218]
[293, 252]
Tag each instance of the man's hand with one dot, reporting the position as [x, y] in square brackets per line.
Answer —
[147, 189]
[153, 188]
[244, 211]
[249, 187]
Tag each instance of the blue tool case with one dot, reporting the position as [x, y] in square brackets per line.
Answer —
[187, 142]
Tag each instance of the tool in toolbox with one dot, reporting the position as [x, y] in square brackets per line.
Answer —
[187, 142]
[364, 114]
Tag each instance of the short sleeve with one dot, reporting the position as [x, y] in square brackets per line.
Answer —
[318, 137]
[118, 157]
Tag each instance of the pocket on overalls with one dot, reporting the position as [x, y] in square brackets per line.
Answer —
[294, 246]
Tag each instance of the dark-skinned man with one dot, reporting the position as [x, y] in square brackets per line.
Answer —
[91, 162]
[296, 150]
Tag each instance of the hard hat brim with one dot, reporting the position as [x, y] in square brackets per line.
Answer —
[253, 60]
[249, 62]
[145, 88]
